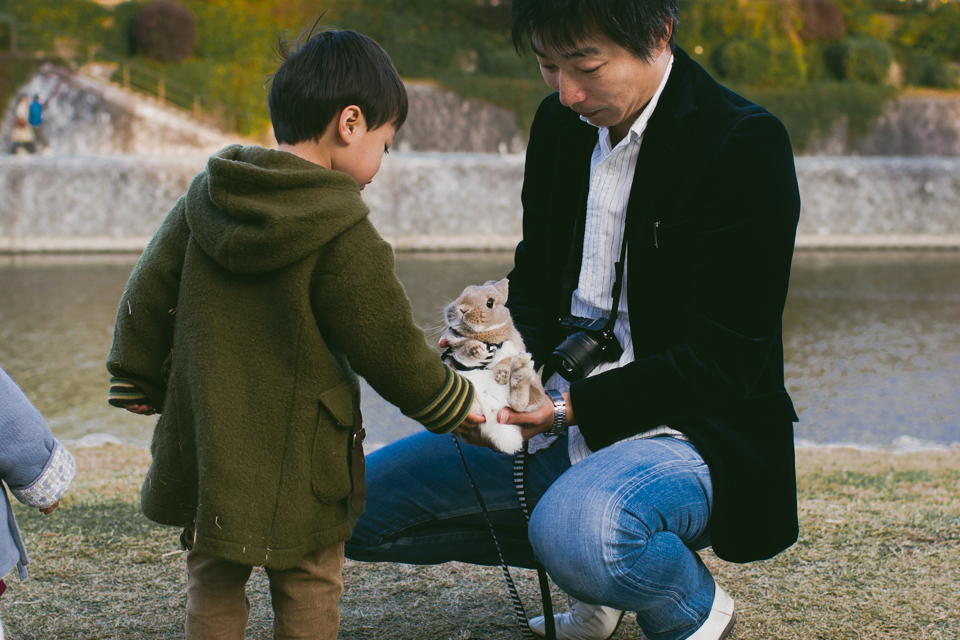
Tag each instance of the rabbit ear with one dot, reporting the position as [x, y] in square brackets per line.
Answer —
[502, 287]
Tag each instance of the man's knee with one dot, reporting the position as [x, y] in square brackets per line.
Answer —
[583, 544]
[595, 548]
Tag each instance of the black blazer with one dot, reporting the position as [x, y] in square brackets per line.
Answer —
[711, 225]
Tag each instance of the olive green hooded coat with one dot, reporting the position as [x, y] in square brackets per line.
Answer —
[262, 293]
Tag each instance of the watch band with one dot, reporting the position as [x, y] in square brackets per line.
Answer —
[559, 426]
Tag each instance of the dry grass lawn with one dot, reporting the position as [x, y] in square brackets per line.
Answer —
[878, 558]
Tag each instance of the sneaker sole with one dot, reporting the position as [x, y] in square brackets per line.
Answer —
[729, 628]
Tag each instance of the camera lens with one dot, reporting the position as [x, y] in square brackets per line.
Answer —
[577, 356]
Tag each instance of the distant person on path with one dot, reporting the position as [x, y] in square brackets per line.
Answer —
[34, 466]
[36, 123]
[678, 435]
[21, 135]
[263, 295]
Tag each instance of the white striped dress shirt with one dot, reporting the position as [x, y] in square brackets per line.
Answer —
[611, 178]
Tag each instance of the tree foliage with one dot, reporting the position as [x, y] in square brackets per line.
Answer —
[785, 54]
[165, 31]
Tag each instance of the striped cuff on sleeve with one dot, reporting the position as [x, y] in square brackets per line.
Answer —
[447, 410]
[123, 393]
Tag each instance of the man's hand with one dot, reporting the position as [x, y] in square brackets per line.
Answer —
[140, 409]
[50, 509]
[537, 421]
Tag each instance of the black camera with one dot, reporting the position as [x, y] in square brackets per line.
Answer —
[589, 344]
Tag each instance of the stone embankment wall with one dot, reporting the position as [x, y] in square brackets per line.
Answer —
[440, 120]
[455, 201]
[879, 202]
[912, 125]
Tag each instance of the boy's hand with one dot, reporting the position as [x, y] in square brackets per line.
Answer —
[468, 431]
[50, 509]
[140, 409]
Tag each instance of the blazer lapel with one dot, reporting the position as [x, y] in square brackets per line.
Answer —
[571, 178]
[657, 173]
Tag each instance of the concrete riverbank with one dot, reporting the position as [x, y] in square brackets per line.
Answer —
[465, 202]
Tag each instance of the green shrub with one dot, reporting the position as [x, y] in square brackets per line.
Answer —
[925, 70]
[863, 59]
[230, 32]
[868, 60]
[761, 63]
[814, 107]
[817, 70]
[933, 30]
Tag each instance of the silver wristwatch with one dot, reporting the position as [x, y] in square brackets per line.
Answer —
[559, 427]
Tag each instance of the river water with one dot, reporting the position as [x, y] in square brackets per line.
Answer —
[872, 342]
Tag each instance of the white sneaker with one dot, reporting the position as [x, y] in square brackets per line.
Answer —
[582, 622]
[720, 622]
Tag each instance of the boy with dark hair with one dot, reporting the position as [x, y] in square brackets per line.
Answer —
[245, 323]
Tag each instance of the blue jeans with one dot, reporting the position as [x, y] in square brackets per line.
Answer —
[619, 528]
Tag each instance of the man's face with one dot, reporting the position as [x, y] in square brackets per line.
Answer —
[602, 81]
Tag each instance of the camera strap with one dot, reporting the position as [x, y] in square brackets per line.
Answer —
[618, 283]
[519, 470]
[571, 274]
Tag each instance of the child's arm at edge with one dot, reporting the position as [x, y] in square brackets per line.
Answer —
[33, 463]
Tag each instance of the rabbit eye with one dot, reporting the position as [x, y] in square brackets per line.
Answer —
[489, 303]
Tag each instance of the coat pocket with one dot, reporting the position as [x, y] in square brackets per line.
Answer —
[331, 444]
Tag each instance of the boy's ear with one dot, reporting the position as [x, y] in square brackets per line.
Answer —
[349, 123]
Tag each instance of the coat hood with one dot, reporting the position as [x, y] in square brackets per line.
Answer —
[255, 210]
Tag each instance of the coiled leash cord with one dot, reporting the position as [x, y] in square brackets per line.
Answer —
[519, 471]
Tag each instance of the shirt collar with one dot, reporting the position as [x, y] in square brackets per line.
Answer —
[639, 126]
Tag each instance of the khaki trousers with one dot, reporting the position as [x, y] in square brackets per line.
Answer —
[306, 598]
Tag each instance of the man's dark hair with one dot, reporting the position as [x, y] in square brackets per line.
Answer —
[322, 73]
[639, 26]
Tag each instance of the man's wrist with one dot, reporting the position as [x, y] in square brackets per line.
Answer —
[559, 426]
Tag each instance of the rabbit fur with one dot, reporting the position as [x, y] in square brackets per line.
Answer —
[488, 350]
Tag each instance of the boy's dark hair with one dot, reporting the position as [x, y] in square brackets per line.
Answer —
[639, 26]
[322, 73]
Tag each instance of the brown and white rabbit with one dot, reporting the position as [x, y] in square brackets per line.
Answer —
[487, 349]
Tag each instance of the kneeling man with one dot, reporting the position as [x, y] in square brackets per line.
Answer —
[675, 433]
